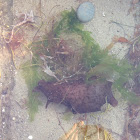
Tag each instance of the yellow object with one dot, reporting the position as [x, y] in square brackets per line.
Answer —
[80, 131]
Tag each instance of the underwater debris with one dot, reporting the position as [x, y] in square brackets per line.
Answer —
[28, 18]
[134, 52]
[134, 84]
[17, 40]
[70, 53]
[77, 95]
[115, 40]
[47, 69]
[132, 129]
[30, 137]
[134, 58]
[133, 5]
[122, 40]
[80, 131]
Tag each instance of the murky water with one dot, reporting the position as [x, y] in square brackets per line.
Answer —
[89, 93]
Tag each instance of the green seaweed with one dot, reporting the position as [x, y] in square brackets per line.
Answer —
[32, 73]
[95, 61]
[39, 47]
[127, 95]
[31, 77]
[69, 23]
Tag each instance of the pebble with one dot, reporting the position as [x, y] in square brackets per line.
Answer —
[103, 14]
[85, 12]
[3, 110]
[30, 137]
[13, 118]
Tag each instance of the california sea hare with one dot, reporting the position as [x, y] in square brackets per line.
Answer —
[78, 96]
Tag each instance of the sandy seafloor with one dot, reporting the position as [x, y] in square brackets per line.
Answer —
[15, 124]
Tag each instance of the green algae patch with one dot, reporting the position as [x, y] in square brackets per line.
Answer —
[54, 60]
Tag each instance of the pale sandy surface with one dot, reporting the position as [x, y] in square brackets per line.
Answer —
[46, 125]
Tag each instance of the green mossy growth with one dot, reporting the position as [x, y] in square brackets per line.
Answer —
[96, 62]
[69, 23]
[31, 77]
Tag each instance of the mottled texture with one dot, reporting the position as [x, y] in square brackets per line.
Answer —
[81, 98]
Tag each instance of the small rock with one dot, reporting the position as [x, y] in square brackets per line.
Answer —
[13, 118]
[30, 137]
[85, 12]
[3, 110]
[103, 14]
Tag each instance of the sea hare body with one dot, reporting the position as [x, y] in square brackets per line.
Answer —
[78, 96]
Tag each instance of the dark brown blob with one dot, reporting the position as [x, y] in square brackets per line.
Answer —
[78, 96]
